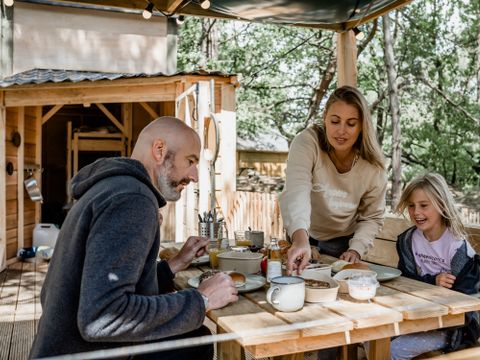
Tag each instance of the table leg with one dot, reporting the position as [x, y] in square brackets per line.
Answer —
[349, 352]
[379, 349]
[229, 350]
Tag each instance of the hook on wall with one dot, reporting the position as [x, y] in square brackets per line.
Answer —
[16, 138]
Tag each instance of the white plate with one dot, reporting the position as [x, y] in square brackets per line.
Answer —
[202, 260]
[385, 273]
[253, 282]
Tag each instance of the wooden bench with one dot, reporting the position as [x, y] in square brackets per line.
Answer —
[384, 251]
[467, 354]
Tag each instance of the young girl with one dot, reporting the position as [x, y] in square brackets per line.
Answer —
[436, 251]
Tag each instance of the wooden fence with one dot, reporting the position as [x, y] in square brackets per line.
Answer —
[259, 211]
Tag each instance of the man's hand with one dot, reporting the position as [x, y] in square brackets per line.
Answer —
[299, 253]
[194, 247]
[445, 279]
[220, 291]
[350, 256]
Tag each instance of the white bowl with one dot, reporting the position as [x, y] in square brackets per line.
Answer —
[343, 276]
[362, 287]
[317, 271]
[321, 295]
[244, 262]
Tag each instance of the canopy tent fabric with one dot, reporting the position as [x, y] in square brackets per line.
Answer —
[327, 14]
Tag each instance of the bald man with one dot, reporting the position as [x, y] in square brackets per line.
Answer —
[104, 287]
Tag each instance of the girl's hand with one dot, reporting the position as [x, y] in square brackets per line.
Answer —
[350, 256]
[445, 279]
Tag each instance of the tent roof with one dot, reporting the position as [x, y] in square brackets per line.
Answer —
[326, 14]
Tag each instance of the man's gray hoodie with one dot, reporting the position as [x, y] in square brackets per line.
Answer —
[102, 285]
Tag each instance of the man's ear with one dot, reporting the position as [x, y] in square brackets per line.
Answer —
[159, 150]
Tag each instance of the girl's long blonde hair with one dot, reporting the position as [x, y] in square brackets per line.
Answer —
[366, 144]
[436, 189]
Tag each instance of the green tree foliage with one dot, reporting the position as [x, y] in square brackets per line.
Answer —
[438, 74]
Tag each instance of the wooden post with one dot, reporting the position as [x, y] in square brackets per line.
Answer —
[69, 160]
[346, 58]
[227, 155]
[38, 158]
[20, 178]
[127, 112]
[3, 191]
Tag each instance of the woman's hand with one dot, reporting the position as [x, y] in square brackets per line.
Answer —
[299, 253]
[350, 256]
[445, 279]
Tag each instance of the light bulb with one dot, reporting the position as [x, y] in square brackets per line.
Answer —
[205, 4]
[180, 20]
[10, 2]
[147, 13]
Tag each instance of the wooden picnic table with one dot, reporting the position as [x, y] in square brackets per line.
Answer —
[401, 306]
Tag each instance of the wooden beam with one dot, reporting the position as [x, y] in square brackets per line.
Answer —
[369, 17]
[149, 109]
[112, 118]
[3, 191]
[172, 5]
[64, 96]
[346, 58]
[50, 113]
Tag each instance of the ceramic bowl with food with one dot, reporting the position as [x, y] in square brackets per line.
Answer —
[243, 262]
[343, 276]
[362, 287]
[316, 270]
[321, 289]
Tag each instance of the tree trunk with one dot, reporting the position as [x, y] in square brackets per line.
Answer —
[478, 56]
[394, 112]
[209, 39]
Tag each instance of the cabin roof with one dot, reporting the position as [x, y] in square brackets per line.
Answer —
[41, 76]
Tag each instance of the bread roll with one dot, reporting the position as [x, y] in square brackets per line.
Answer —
[315, 253]
[168, 253]
[358, 266]
[339, 265]
[238, 278]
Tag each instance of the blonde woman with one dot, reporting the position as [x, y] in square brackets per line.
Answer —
[334, 196]
[436, 251]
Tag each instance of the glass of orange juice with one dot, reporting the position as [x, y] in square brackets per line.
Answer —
[213, 251]
[241, 239]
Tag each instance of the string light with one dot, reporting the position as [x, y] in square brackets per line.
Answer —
[147, 13]
[8, 2]
[205, 4]
[358, 33]
[180, 19]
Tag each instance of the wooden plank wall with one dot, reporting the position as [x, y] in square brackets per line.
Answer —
[11, 155]
[21, 212]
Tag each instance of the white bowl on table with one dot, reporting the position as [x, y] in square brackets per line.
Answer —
[315, 294]
[343, 276]
[244, 262]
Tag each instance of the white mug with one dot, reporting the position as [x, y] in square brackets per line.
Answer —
[286, 293]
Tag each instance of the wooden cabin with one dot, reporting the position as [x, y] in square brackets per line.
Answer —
[52, 129]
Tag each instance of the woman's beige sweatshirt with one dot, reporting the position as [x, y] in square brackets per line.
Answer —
[328, 204]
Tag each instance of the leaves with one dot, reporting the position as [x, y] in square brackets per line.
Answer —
[284, 71]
